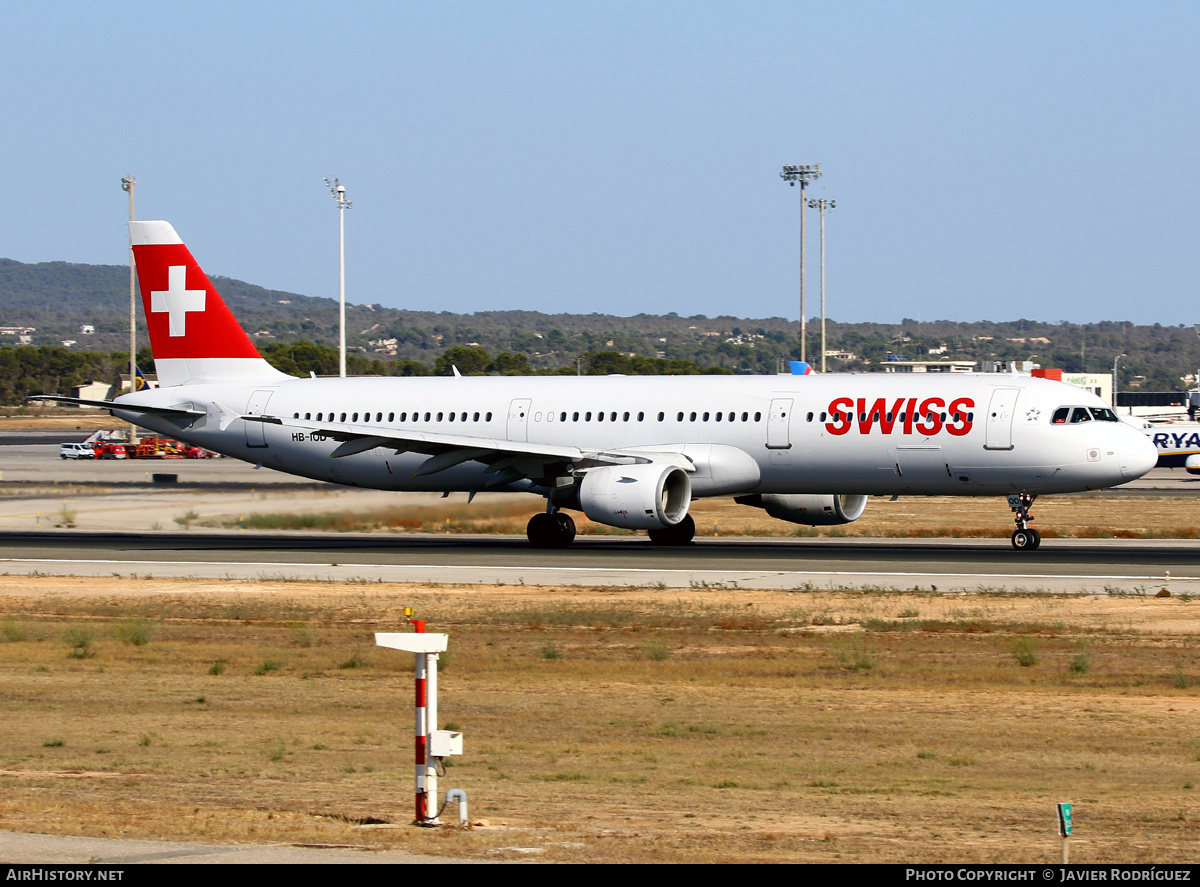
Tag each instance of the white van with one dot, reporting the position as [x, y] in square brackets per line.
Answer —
[76, 451]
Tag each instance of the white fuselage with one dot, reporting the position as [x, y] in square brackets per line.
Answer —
[973, 435]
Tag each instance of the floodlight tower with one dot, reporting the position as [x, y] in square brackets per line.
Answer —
[802, 174]
[339, 194]
[821, 204]
[127, 184]
[1114, 393]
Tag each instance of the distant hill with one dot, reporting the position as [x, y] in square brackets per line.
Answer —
[59, 298]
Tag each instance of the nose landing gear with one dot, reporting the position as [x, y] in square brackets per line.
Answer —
[1024, 537]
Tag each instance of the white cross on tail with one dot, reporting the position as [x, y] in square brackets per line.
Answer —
[177, 300]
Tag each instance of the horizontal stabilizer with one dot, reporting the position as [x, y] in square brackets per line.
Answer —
[125, 407]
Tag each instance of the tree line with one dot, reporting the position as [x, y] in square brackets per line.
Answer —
[51, 369]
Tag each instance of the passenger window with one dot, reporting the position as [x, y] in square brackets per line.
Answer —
[587, 417]
[612, 417]
[439, 417]
[692, 418]
[475, 418]
[450, 417]
[745, 416]
[661, 416]
[706, 417]
[427, 417]
[625, 417]
[343, 419]
[489, 417]
[758, 417]
[391, 417]
[574, 417]
[600, 416]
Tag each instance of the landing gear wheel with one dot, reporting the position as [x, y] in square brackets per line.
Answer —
[1037, 538]
[680, 534]
[565, 528]
[1022, 540]
[550, 530]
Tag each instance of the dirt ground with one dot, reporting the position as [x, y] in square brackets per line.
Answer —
[607, 725]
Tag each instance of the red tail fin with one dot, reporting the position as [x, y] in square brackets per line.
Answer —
[194, 335]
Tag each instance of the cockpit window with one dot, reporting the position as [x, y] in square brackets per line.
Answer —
[1080, 414]
[1060, 415]
[1104, 414]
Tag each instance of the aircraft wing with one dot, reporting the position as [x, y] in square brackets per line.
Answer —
[182, 412]
[509, 460]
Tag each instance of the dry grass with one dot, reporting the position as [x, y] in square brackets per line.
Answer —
[697, 726]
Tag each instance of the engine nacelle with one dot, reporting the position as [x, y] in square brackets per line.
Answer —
[815, 511]
[1192, 464]
[636, 497]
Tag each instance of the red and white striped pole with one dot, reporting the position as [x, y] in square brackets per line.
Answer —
[426, 647]
[421, 730]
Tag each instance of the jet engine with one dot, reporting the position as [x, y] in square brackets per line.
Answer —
[815, 511]
[648, 496]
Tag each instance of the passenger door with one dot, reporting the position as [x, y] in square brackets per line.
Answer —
[1001, 410]
[257, 406]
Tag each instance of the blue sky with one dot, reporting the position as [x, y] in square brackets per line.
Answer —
[990, 161]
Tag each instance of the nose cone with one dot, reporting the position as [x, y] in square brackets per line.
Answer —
[1137, 454]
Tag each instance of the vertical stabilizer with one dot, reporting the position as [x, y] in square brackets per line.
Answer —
[194, 335]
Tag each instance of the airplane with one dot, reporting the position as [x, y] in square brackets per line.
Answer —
[1177, 443]
[629, 452]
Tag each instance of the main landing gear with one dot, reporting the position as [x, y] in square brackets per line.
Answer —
[551, 530]
[680, 534]
[1024, 537]
[555, 529]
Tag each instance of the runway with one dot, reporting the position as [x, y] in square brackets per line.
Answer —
[1060, 566]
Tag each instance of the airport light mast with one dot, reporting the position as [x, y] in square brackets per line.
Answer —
[1115, 359]
[802, 174]
[127, 184]
[339, 194]
[822, 204]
